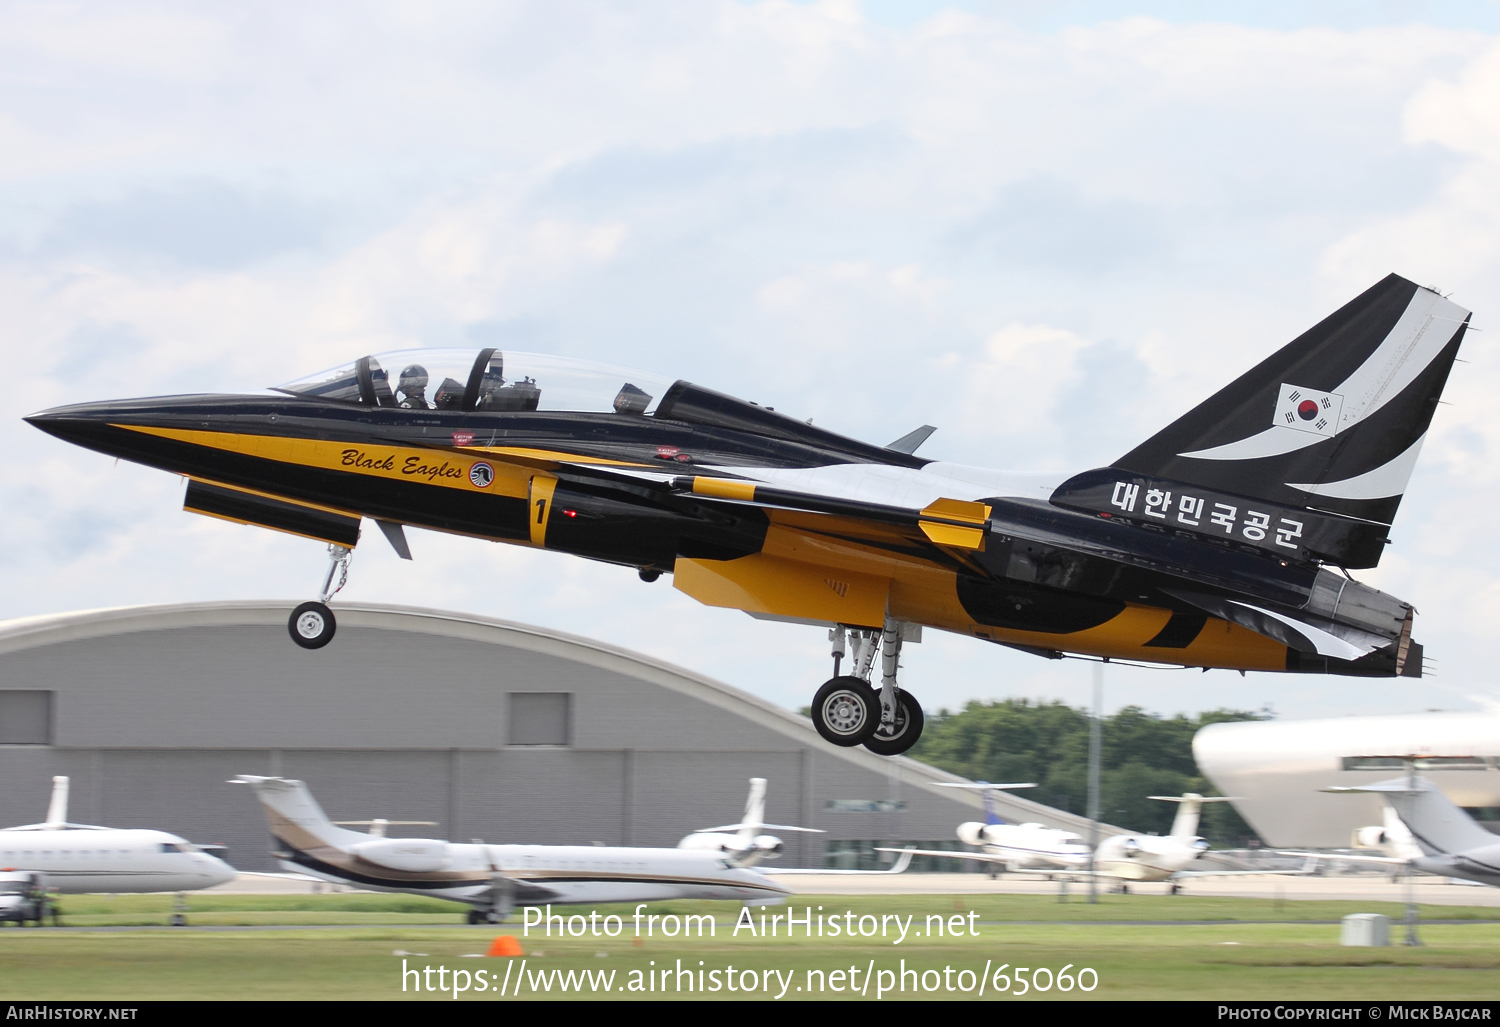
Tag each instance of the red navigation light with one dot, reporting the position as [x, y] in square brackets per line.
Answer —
[570, 513]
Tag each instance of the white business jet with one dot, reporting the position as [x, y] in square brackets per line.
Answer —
[1017, 847]
[1122, 859]
[1392, 839]
[82, 858]
[1127, 858]
[1447, 840]
[494, 879]
[746, 846]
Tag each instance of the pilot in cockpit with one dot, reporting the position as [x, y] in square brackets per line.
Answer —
[412, 388]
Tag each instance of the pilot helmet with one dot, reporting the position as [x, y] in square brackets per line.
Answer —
[413, 376]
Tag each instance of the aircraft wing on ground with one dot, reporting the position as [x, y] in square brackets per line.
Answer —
[981, 857]
[283, 876]
[1304, 872]
[899, 867]
[985, 857]
[1373, 860]
[1174, 876]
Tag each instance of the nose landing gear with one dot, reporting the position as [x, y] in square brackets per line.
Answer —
[312, 624]
[847, 711]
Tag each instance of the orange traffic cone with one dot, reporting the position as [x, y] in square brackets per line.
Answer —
[505, 945]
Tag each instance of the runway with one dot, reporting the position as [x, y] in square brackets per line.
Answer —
[1366, 887]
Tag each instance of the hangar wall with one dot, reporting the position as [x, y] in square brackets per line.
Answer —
[420, 715]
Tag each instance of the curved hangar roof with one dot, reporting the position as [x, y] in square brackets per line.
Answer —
[1279, 768]
[223, 676]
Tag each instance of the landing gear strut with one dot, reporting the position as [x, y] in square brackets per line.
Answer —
[312, 625]
[847, 711]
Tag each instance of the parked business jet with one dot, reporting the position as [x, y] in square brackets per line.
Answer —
[493, 879]
[1017, 847]
[1122, 859]
[746, 846]
[82, 858]
[1392, 839]
[1127, 858]
[1449, 842]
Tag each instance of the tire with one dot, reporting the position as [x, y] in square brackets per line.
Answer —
[846, 711]
[904, 733]
[475, 917]
[311, 625]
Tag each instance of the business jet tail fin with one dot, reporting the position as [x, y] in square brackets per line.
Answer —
[1437, 825]
[987, 792]
[294, 815]
[1185, 824]
[755, 809]
[57, 809]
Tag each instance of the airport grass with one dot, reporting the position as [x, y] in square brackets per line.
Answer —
[1240, 957]
[1227, 962]
[364, 908]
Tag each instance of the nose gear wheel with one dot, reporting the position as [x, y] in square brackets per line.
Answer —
[846, 711]
[312, 625]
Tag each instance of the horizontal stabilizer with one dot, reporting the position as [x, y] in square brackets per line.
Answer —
[1195, 798]
[726, 828]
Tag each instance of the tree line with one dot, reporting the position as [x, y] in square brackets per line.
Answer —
[1048, 742]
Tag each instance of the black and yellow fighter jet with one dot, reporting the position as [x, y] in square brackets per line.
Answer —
[1223, 541]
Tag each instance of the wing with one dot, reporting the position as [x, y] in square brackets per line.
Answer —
[978, 857]
[899, 868]
[1372, 860]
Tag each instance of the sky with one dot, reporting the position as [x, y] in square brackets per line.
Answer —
[1046, 228]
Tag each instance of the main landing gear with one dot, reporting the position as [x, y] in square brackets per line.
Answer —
[311, 625]
[847, 711]
[502, 902]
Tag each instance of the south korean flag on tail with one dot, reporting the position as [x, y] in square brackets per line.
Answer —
[1308, 410]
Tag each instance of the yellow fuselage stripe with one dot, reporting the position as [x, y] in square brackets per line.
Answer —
[449, 469]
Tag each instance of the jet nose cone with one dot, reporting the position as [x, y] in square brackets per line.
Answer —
[44, 419]
[223, 873]
[71, 423]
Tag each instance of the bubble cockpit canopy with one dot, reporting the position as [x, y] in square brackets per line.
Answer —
[484, 380]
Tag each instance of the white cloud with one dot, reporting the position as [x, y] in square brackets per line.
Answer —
[1046, 244]
[1012, 388]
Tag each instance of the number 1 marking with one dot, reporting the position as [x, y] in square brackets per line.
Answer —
[541, 509]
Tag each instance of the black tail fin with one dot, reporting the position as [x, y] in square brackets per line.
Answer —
[1332, 421]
